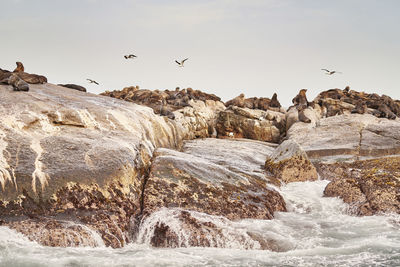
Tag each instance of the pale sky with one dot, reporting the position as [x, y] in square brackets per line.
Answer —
[255, 47]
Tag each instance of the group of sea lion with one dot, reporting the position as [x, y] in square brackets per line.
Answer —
[19, 79]
[336, 102]
[162, 102]
[262, 103]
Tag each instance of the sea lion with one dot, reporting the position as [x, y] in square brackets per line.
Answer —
[73, 86]
[17, 83]
[20, 67]
[361, 107]
[301, 99]
[274, 101]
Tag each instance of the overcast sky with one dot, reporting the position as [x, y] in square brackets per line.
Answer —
[255, 47]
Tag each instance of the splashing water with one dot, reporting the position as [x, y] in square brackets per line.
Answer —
[316, 231]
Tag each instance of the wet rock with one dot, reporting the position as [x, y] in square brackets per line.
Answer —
[368, 186]
[251, 123]
[198, 185]
[74, 86]
[289, 163]
[175, 227]
[192, 181]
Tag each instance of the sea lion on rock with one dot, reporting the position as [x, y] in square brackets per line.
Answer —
[274, 101]
[386, 112]
[17, 83]
[361, 107]
[19, 68]
[74, 86]
[301, 99]
[237, 101]
[303, 117]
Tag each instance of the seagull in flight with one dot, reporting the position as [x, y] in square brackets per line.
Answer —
[181, 63]
[129, 56]
[329, 72]
[92, 81]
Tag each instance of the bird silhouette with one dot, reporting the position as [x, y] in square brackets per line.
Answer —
[181, 63]
[329, 72]
[129, 56]
[92, 81]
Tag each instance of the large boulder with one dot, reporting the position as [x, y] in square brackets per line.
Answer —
[289, 163]
[68, 156]
[351, 136]
[368, 186]
[216, 182]
[254, 124]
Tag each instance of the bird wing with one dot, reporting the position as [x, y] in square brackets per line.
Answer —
[325, 70]
[177, 62]
[126, 57]
[89, 80]
[185, 60]
[131, 55]
[96, 82]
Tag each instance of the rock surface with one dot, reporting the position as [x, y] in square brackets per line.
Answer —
[254, 124]
[208, 177]
[368, 186]
[289, 163]
[351, 135]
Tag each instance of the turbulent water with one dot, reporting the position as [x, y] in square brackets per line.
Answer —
[316, 231]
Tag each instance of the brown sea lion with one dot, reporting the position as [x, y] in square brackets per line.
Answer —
[301, 99]
[361, 107]
[274, 101]
[17, 83]
[19, 68]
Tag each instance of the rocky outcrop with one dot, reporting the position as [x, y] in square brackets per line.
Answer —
[349, 136]
[289, 163]
[68, 156]
[368, 186]
[207, 177]
[251, 123]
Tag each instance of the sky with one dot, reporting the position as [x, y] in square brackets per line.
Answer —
[255, 47]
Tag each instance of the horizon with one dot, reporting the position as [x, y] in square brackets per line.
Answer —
[256, 48]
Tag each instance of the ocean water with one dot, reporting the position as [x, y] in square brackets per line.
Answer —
[316, 231]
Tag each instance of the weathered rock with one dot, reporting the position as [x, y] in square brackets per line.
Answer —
[289, 163]
[368, 186]
[352, 135]
[73, 86]
[187, 181]
[251, 123]
[81, 157]
[211, 181]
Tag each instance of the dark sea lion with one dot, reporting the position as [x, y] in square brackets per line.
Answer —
[274, 101]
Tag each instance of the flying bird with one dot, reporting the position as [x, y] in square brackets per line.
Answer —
[329, 72]
[181, 63]
[92, 81]
[129, 56]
